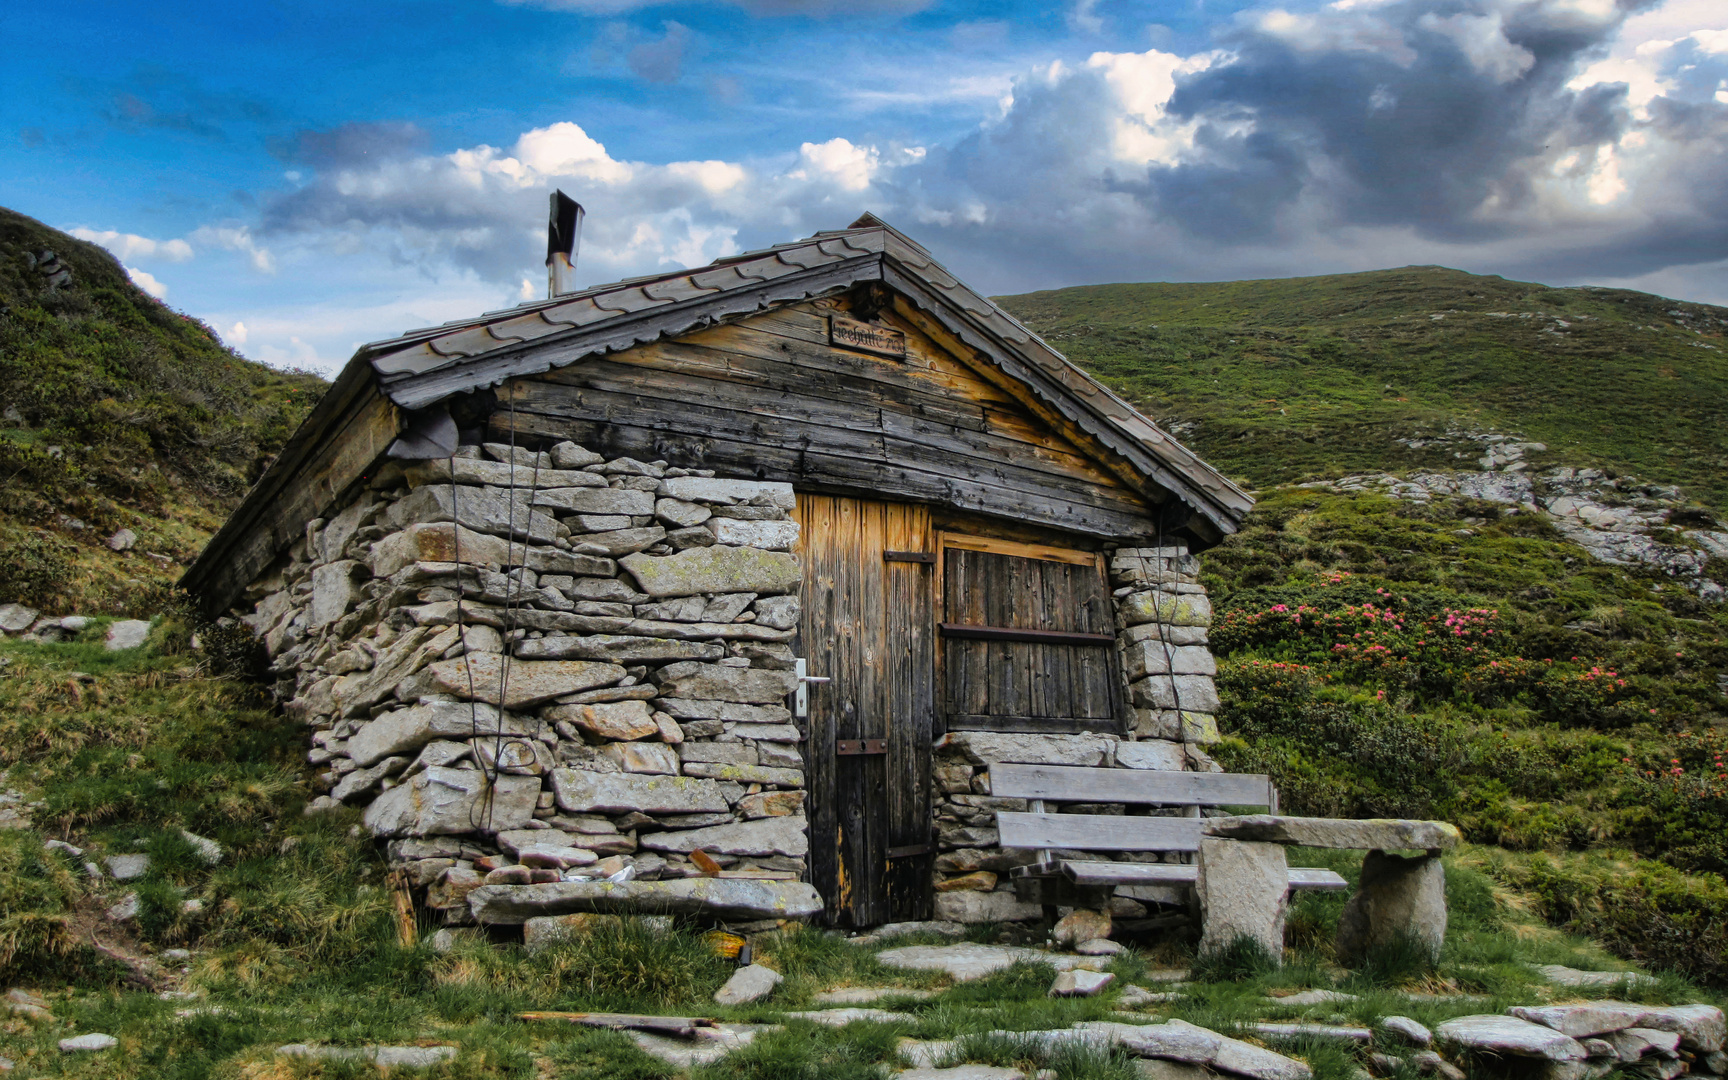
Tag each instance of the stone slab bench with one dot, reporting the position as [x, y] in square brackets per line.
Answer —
[1397, 897]
[1051, 881]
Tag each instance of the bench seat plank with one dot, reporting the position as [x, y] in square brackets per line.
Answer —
[1098, 832]
[1116, 873]
[1066, 783]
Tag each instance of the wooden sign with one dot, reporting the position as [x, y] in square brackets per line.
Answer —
[865, 337]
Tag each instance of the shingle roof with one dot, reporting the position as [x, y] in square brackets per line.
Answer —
[422, 366]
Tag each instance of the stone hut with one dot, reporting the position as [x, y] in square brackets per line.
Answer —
[719, 591]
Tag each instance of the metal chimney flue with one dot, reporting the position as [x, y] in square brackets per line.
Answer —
[563, 237]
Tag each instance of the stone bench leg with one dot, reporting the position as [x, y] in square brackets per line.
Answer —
[1399, 897]
[1243, 888]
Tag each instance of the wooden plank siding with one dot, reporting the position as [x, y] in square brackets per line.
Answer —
[866, 625]
[992, 681]
[768, 397]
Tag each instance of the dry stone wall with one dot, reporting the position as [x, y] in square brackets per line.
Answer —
[1162, 616]
[539, 666]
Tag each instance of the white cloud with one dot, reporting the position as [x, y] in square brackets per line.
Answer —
[132, 246]
[838, 160]
[236, 334]
[1482, 40]
[146, 282]
[239, 239]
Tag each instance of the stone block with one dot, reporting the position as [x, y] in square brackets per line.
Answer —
[620, 542]
[1580, 1021]
[718, 569]
[719, 682]
[983, 907]
[618, 720]
[771, 804]
[745, 774]
[643, 757]
[764, 836]
[1175, 635]
[976, 881]
[1198, 693]
[497, 474]
[1078, 982]
[720, 898]
[985, 747]
[780, 756]
[530, 682]
[778, 612]
[1178, 1040]
[1366, 834]
[1397, 898]
[734, 753]
[1145, 658]
[335, 591]
[354, 694]
[767, 535]
[485, 510]
[678, 514]
[1180, 609]
[404, 730]
[597, 500]
[441, 801]
[725, 492]
[579, 791]
[1151, 754]
[1243, 892]
[724, 711]
[779, 733]
[1700, 1026]
[545, 931]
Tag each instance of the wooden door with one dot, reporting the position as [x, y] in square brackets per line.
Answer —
[868, 627]
[1027, 638]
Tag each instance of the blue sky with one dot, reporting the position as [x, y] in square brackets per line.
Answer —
[307, 176]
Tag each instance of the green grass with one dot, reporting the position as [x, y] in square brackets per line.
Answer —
[1289, 380]
[129, 415]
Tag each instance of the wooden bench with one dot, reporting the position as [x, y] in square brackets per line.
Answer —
[1055, 881]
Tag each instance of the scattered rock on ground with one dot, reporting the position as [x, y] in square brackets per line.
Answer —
[16, 618]
[1328, 1032]
[126, 634]
[388, 1057]
[1099, 947]
[749, 983]
[1177, 1040]
[962, 1072]
[126, 910]
[890, 930]
[842, 1017]
[1429, 1063]
[91, 1042]
[1132, 997]
[1580, 1021]
[867, 995]
[1595, 980]
[1409, 1030]
[128, 867]
[122, 540]
[1315, 996]
[709, 1046]
[1080, 983]
[967, 962]
[1081, 924]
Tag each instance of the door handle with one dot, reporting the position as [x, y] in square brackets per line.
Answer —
[801, 696]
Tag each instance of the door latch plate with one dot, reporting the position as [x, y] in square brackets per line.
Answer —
[860, 747]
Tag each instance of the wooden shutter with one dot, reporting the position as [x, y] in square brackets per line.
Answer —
[1027, 638]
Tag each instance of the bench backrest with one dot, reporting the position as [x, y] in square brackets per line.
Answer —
[1068, 784]
[1097, 832]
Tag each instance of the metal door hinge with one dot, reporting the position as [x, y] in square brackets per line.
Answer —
[926, 557]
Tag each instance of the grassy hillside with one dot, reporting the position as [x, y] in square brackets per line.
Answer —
[116, 412]
[1289, 380]
[1457, 658]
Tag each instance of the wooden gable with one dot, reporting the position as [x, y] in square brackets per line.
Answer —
[772, 396]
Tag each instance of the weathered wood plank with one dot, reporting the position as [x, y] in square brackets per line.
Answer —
[1064, 783]
[1098, 832]
[1115, 873]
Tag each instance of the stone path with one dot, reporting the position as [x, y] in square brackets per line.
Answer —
[869, 995]
[968, 962]
[842, 1017]
[385, 1057]
[710, 1046]
[1593, 980]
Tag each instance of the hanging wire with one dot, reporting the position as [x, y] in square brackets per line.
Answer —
[462, 630]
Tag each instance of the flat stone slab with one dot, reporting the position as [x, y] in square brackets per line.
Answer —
[1132, 997]
[1365, 835]
[962, 1072]
[842, 1017]
[88, 1043]
[1312, 997]
[869, 995]
[1411, 1031]
[1582, 1021]
[1293, 1032]
[710, 1045]
[925, 1055]
[968, 962]
[753, 982]
[723, 898]
[1494, 1034]
[1080, 983]
[389, 1057]
[1562, 975]
[1700, 1027]
[1178, 1040]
